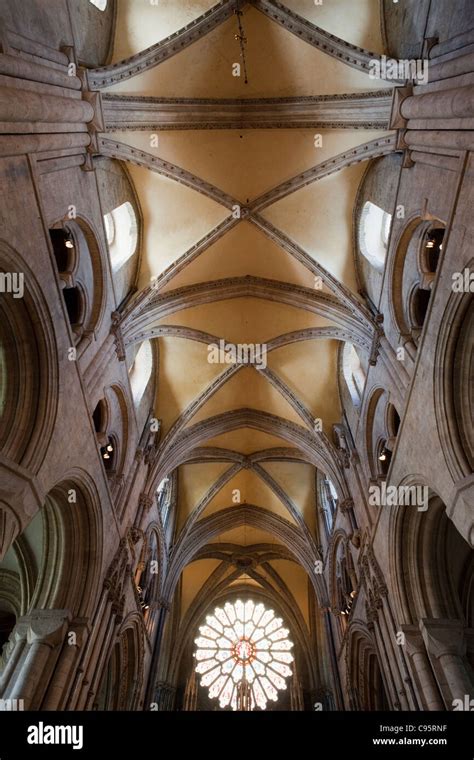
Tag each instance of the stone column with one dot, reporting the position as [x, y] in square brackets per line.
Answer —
[354, 699]
[452, 141]
[446, 646]
[145, 503]
[20, 68]
[191, 693]
[423, 676]
[392, 657]
[399, 652]
[97, 662]
[12, 654]
[335, 673]
[457, 103]
[63, 675]
[17, 105]
[12, 145]
[164, 696]
[347, 508]
[384, 661]
[163, 606]
[45, 635]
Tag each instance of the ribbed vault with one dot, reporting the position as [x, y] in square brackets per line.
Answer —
[247, 241]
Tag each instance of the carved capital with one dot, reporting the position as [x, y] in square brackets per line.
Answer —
[145, 501]
[118, 336]
[346, 505]
[375, 348]
[443, 637]
[356, 539]
[47, 626]
[343, 456]
[413, 640]
[119, 344]
[400, 94]
[134, 535]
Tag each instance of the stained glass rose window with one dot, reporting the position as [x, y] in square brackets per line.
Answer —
[243, 655]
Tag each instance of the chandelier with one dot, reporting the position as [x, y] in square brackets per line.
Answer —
[242, 40]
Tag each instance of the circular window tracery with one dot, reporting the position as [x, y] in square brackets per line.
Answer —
[243, 655]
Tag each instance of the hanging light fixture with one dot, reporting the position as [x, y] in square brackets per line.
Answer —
[245, 650]
[242, 39]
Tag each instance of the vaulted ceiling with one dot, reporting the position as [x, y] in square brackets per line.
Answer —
[245, 440]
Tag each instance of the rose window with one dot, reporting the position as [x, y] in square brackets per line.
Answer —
[243, 655]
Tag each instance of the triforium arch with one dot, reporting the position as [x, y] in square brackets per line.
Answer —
[366, 688]
[29, 375]
[433, 599]
[80, 266]
[121, 683]
[50, 565]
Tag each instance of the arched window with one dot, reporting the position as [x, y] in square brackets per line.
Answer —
[99, 417]
[418, 308]
[328, 501]
[163, 495]
[384, 457]
[344, 582]
[101, 5]
[108, 453]
[78, 265]
[147, 575]
[354, 374]
[243, 655]
[121, 230]
[18, 578]
[140, 371]
[432, 248]
[374, 231]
